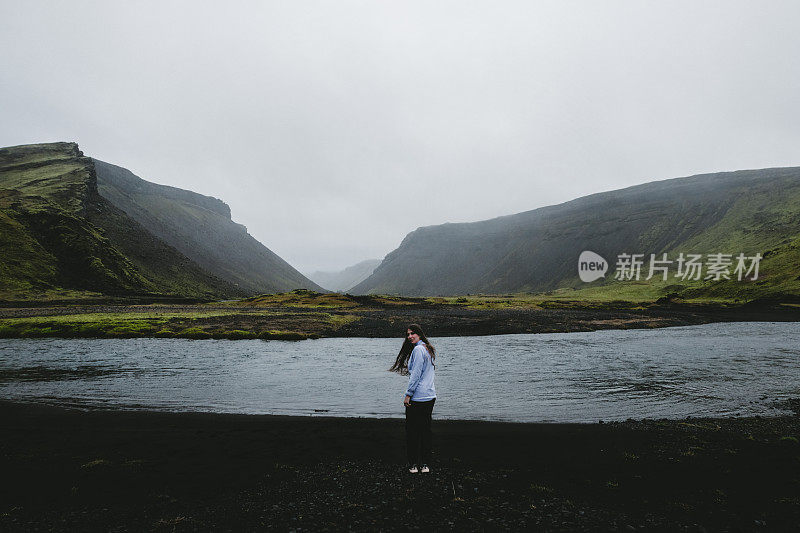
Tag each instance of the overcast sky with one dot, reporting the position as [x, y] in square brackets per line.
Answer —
[333, 129]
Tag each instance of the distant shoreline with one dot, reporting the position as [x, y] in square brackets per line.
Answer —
[298, 321]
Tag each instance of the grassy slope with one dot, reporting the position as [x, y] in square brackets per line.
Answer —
[765, 219]
[44, 193]
[60, 239]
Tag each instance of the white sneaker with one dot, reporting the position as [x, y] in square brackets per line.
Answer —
[425, 469]
[413, 469]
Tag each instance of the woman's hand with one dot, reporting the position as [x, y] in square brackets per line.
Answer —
[407, 401]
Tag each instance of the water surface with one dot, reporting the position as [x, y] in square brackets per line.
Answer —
[710, 370]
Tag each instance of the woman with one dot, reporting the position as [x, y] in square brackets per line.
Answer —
[416, 358]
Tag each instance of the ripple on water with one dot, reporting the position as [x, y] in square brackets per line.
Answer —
[709, 370]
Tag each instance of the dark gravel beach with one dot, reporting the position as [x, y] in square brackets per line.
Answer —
[110, 470]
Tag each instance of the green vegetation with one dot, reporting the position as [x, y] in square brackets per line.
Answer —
[306, 299]
[765, 219]
[191, 324]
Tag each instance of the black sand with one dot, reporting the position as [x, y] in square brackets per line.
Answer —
[129, 471]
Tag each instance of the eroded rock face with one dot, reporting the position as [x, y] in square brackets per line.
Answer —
[200, 227]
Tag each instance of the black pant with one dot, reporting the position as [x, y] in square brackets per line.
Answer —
[418, 432]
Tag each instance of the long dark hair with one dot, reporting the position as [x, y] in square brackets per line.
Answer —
[401, 363]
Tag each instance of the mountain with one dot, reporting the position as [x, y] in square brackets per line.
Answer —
[343, 280]
[752, 211]
[200, 227]
[61, 238]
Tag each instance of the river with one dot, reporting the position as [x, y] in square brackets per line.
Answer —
[725, 369]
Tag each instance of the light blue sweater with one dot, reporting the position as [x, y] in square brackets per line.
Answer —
[420, 374]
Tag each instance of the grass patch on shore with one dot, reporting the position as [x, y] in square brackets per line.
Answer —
[307, 299]
[563, 298]
[181, 325]
[299, 298]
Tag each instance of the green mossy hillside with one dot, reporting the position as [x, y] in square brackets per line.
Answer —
[743, 212]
